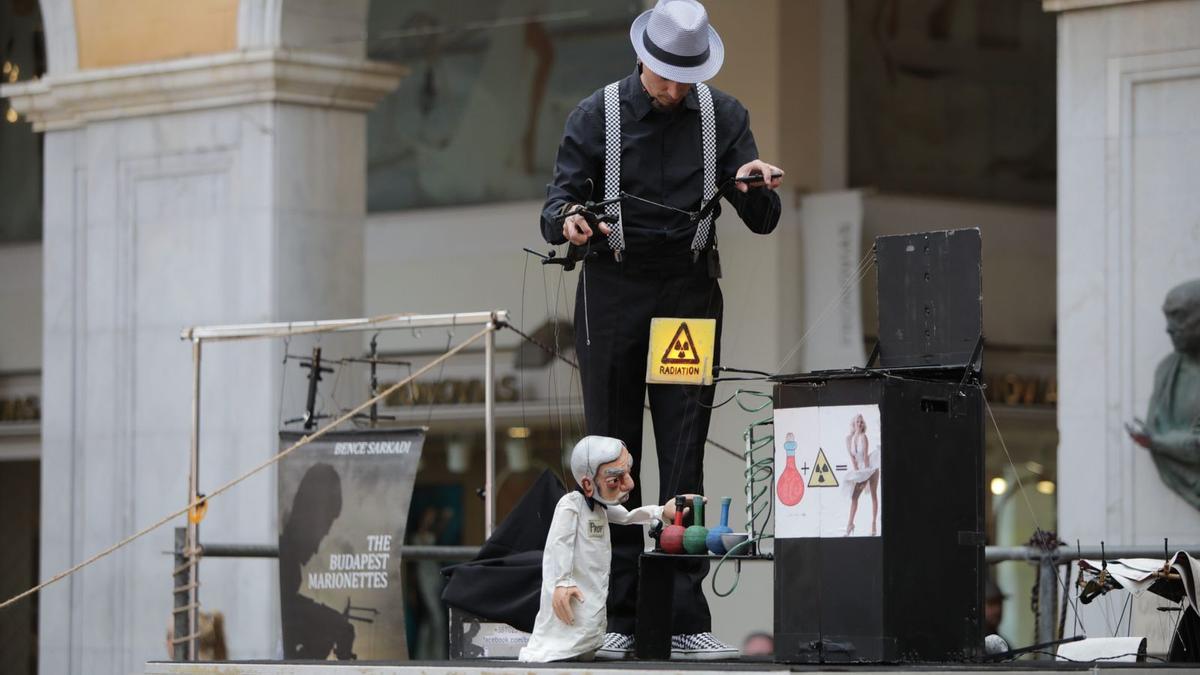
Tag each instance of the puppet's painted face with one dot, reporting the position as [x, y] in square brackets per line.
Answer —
[614, 480]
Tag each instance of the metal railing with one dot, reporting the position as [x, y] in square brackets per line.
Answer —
[447, 553]
[1048, 559]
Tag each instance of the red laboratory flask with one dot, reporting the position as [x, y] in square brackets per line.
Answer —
[672, 536]
[791, 484]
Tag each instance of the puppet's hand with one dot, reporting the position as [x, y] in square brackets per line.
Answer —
[562, 603]
[669, 507]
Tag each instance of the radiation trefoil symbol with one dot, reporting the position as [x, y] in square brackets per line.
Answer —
[822, 473]
[682, 349]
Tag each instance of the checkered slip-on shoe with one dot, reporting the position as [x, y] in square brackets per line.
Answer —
[700, 647]
[616, 646]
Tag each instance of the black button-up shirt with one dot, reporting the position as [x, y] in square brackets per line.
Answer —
[661, 160]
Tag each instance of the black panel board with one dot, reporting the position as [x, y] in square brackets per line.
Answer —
[933, 498]
[930, 294]
[798, 600]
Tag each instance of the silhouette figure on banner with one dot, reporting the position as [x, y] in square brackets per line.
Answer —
[311, 630]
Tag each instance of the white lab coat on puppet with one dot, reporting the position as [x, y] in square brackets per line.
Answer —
[578, 553]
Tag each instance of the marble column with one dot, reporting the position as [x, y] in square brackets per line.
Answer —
[1129, 152]
[1128, 230]
[225, 188]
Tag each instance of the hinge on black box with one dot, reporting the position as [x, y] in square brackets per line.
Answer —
[967, 538]
[874, 355]
[827, 646]
[974, 366]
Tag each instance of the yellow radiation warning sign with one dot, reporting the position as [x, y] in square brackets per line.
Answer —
[822, 473]
[681, 351]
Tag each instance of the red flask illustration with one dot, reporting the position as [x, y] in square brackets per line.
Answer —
[791, 484]
[672, 535]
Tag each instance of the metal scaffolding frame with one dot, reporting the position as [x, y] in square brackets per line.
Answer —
[188, 550]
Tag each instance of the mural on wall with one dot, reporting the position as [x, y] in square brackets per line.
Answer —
[953, 97]
[491, 82]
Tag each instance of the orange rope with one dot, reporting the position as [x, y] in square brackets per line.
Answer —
[304, 440]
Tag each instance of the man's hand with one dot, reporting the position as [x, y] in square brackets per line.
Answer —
[576, 228]
[669, 508]
[562, 603]
[1137, 431]
[761, 168]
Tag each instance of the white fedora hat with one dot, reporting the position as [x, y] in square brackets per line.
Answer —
[675, 41]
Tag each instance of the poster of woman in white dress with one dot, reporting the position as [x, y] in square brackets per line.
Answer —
[828, 472]
[863, 474]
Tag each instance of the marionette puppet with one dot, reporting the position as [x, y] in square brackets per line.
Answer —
[571, 617]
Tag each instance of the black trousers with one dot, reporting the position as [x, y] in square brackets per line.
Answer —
[621, 298]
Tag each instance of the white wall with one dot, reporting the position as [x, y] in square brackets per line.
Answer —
[20, 307]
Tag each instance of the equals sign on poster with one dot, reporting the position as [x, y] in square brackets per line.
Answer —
[839, 467]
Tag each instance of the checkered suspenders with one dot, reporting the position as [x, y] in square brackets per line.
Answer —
[612, 165]
[708, 147]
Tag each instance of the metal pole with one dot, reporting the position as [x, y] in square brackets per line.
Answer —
[179, 649]
[994, 554]
[749, 436]
[1047, 610]
[193, 529]
[220, 550]
[284, 329]
[489, 413]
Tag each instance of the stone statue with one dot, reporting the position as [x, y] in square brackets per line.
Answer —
[1171, 431]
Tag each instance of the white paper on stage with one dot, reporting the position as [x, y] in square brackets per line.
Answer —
[1110, 650]
[831, 227]
[1134, 574]
[815, 488]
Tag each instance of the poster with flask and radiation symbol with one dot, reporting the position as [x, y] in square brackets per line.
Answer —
[827, 472]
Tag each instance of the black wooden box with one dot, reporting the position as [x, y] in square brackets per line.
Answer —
[879, 475]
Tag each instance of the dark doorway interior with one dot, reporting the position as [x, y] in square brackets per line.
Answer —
[20, 494]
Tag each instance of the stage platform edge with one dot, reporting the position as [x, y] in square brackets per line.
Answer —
[627, 668]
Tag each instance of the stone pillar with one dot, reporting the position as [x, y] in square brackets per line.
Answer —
[1128, 230]
[1128, 154]
[224, 188]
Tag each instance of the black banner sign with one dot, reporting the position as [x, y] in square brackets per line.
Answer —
[343, 505]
